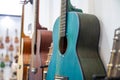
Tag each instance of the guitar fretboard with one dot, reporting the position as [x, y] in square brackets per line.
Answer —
[63, 17]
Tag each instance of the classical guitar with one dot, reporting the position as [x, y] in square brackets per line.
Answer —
[64, 64]
[1, 43]
[7, 58]
[11, 47]
[24, 52]
[114, 64]
[7, 39]
[16, 40]
[41, 38]
[75, 46]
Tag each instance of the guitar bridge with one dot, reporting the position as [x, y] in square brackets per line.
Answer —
[61, 78]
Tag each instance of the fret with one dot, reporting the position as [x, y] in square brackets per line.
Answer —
[63, 26]
[63, 13]
[113, 51]
[62, 22]
[116, 38]
[63, 18]
[62, 29]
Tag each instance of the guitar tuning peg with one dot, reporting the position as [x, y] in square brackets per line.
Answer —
[117, 66]
[115, 38]
[113, 51]
[109, 65]
[117, 32]
[119, 51]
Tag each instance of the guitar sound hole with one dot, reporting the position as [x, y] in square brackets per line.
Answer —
[63, 44]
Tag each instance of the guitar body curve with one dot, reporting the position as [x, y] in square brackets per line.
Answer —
[67, 64]
[44, 38]
[24, 59]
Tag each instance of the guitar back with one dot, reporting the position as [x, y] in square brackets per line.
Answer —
[87, 46]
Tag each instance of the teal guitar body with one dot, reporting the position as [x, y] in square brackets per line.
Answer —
[67, 64]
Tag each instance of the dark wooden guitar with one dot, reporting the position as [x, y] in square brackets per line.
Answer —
[75, 46]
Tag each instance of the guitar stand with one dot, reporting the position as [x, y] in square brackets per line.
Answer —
[43, 67]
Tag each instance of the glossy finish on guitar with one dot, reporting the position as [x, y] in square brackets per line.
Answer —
[67, 64]
[87, 46]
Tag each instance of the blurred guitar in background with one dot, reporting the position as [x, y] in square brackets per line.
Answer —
[24, 53]
[41, 39]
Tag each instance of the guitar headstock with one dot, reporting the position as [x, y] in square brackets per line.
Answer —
[116, 42]
[117, 38]
[26, 1]
[31, 1]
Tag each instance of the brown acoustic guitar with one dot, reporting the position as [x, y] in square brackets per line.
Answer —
[24, 53]
[16, 40]
[42, 39]
[1, 43]
[11, 47]
[7, 39]
[7, 58]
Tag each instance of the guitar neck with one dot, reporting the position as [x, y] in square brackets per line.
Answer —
[63, 17]
[114, 64]
[35, 23]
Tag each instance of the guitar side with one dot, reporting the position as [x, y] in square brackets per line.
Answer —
[67, 64]
[20, 63]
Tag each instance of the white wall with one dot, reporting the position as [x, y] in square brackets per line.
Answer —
[10, 7]
[108, 14]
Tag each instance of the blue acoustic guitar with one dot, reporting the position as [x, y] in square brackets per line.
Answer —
[65, 33]
[68, 45]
